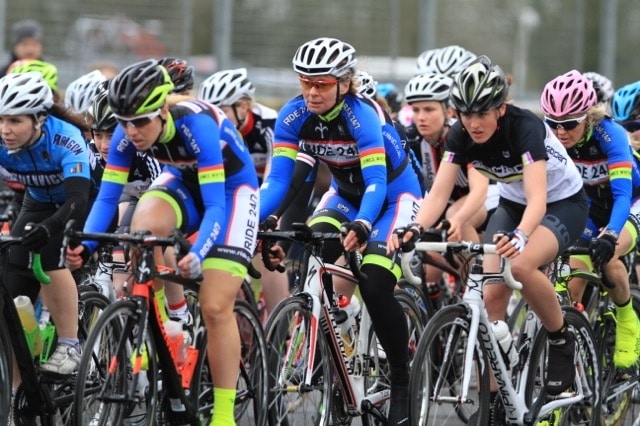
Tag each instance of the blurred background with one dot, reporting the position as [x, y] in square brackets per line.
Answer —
[534, 40]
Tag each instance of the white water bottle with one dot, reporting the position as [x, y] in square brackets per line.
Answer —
[351, 306]
[174, 331]
[507, 345]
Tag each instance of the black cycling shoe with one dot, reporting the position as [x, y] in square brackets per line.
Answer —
[560, 372]
[399, 405]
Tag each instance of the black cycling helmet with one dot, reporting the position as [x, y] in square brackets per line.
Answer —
[479, 87]
[180, 72]
[103, 118]
[139, 88]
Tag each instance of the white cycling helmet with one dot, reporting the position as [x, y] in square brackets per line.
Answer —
[602, 85]
[428, 87]
[325, 56]
[24, 93]
[81, 91]
[226, 87]
[368, 85]
[449, 60]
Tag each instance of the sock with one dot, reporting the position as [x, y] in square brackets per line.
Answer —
[625, 312]
[179, 310]
[70, 341]
[159, 295]
[223, 404]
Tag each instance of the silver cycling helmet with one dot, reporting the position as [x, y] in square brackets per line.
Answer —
[428, 87]
[367, 85]
[325, 56]
[226, 87]
[81, 91]
[448, 60]
[24, 93]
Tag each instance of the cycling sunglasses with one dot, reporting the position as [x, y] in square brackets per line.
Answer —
[631, 126]
[319, 85]
[569, 124]
[137, 121]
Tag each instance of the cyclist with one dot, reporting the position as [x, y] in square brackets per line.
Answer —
[208, 185]
[81, 91]
[428, 95]
[603, 87]
[144, 170]
[542, 203]
[448, 60]
[600, 148]
[181, 74]
[373, 186]
[49, 157]
[625, 107]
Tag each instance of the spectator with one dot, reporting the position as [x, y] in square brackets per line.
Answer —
[26, 42]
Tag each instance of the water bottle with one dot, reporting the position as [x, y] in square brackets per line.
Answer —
[104, 280]
[29, 324]
[348, 327]
[178, 343]
[505, 340]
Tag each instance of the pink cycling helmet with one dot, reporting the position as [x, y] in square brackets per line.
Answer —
[570, 93]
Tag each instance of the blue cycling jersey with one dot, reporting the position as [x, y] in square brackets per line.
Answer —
[204, 145]
[363, 151]
[610, 172]
[42, 167]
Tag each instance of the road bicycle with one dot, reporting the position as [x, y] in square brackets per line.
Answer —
[40, 398]
[619, 386]
[134, 373]
[458, 351]
[316, 376]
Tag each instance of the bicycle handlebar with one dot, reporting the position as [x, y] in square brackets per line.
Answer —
[35, 260]
[302, 234]
[463, 247]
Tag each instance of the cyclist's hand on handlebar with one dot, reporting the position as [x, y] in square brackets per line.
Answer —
[453, 229]
[269, 224]
[76, 257]
[510, 244]
[36, 236]
[400, 236]
[355, 235]
[190, 266]
[276, 255]
[602, 250]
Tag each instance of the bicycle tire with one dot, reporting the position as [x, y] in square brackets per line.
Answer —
[105, 376]
[252, 388]
[433, 365]
[617, 406]
[584, 412]
[288, 335]
[377, 375]
[6, 372]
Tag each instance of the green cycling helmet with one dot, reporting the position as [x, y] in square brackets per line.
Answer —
[48, 71]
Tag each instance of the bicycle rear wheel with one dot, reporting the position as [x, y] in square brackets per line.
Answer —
[437, 372]
[377, 373]
[587, 411]
[289, 333]
[109, 389]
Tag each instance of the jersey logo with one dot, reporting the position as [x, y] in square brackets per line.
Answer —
[321, 128]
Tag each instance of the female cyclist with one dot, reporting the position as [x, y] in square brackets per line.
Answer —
[208, 185]
[373, 187]
[600, 148]
[50, 158]
[542, 204]
[625, 107]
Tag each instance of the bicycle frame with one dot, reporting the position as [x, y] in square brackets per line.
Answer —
[350, 371]
[516, 410]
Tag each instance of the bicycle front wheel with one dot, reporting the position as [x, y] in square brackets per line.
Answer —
[289, 333]
[437, 372]
[110, 389]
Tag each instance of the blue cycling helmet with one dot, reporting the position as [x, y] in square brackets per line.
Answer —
[626, 102]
